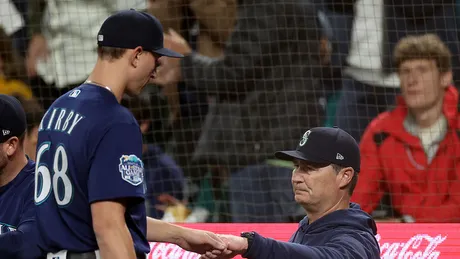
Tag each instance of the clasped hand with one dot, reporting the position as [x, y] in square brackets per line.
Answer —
[235, 245]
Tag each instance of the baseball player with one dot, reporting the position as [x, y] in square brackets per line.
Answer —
[90, 183]
[18, 237]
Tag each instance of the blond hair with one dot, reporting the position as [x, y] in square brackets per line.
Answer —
[427, 46]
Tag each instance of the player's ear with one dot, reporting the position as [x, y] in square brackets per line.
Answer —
[12, 146]
[135, 56]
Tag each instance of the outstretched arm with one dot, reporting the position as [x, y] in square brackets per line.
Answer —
[267, 248]
[112, 234]
[194, 240]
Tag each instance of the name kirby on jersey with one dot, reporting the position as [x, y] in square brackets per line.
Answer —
[60, 119]
[4, 228]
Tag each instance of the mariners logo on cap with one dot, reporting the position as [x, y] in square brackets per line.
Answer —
[304, 138]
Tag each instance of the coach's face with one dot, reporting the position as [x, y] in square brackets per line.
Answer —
[314, 184]
[144, 65]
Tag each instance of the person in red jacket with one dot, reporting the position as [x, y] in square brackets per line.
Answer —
[412, 153]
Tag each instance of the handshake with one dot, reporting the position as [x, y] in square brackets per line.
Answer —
[235, 245]
[211, 245]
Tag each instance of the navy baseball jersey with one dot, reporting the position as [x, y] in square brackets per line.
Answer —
[18, 232]
[89, 149]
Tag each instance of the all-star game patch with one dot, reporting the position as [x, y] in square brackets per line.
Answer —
[131, 169]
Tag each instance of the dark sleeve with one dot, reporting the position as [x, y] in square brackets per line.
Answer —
[257, 46]
[340, 6]
[336, 248]
[23, 242]
[35, 12]
[117, 170]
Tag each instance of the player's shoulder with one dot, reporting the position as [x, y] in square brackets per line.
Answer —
[118, 116]
[121, 114]
[88, 95]
[26, 177]
[96, 103]
[29, 169]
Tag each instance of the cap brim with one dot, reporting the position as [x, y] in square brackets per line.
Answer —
[168, 53]
[291, 155]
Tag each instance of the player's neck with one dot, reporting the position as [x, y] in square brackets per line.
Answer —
[109, 75]
[13, 168]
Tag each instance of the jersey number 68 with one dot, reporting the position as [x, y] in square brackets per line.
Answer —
[55, 180]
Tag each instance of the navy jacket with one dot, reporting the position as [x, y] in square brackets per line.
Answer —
[346, 233]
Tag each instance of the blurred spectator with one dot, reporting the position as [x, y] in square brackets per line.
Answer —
[206, 25]
[20, 37]
[339, 15]
[266, 93]
[34, 114]
[11, 69]
[162, 174]
[412, 152]
[13, 16]
[62, 49]
[371, 84]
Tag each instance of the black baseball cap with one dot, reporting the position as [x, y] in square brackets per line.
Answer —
[325, 145]
[129, 29]
[13, 121]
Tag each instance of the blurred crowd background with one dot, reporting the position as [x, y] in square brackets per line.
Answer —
[257, 75]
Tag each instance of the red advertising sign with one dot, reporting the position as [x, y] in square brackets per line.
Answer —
[397, 241]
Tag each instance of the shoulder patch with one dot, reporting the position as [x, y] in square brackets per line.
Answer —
[131, 169]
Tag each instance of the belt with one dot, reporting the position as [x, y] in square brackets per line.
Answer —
[92, 255]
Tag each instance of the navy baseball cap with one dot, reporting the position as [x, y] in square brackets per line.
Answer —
[324, 145]
[129, 29]
[13, 121]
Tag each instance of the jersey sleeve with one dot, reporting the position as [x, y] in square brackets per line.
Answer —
[23, 242]
[117, 170]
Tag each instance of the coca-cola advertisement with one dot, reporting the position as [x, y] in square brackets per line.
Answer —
[397, 241]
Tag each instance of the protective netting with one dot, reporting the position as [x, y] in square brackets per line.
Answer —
[260, 74]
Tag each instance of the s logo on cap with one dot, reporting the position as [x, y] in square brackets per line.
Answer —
[304, 138]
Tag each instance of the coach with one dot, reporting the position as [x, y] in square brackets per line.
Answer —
[327, 162]
[18, 237]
